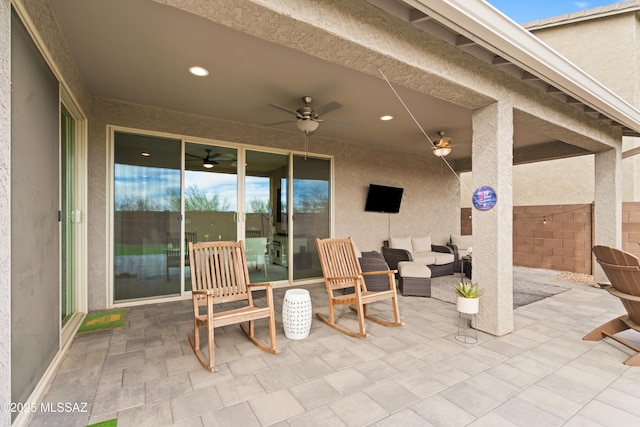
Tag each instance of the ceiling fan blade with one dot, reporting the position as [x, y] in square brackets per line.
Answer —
[285, 109]
[337, 122]
[281, 123]
[332, 106]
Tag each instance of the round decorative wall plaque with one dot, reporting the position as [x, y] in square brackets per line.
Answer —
[484, 198]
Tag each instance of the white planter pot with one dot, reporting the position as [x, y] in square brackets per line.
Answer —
[467, 305]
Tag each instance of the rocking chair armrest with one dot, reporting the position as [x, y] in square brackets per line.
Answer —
[259, 285]
[202, 292]
[208, 294]
[368, 273]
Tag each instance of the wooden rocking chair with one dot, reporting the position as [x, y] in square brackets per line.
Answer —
[623, 271]
[219, 276]
[341, 270]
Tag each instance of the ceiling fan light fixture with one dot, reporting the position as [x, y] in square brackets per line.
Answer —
[307, 125]
[207, 164]
[441, 151]
[443, 147]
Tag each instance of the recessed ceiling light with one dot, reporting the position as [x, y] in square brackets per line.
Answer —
[198, 71]
[145, 154]
[386, 118]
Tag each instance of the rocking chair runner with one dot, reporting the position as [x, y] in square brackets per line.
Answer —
[341, 270]
[219, 276]
[623, 271]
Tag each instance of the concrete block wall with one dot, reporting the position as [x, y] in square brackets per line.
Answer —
[554, 237]
[631, 227]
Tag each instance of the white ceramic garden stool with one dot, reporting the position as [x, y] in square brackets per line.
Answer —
[296, 314]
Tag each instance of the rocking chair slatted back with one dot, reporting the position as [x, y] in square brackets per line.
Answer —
[339, 263]
[341, 269]
[221, 268]
[219, 275]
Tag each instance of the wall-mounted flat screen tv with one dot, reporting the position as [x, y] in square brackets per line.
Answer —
[383, 199]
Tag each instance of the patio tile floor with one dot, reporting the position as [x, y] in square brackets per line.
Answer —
[542, 374]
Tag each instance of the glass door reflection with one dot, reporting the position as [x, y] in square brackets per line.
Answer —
[310, 213]
[146, 193]
[265, 221]
[210, 195]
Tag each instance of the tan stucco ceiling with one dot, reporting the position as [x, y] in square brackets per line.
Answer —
[139, 52]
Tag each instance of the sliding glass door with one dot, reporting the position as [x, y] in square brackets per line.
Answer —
[68, 215]
[168, 192]
[265, 224]
[210, 195]
[310, 213]
[146, 216]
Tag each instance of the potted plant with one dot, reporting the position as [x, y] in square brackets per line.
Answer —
[468, 297]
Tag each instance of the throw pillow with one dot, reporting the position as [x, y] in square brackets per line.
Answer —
[401, 243]
[421, 244]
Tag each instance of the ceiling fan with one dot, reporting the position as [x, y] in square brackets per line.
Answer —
[210, 160]
[443, 146]
[306, 118]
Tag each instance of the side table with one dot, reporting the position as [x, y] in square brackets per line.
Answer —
[465, 267]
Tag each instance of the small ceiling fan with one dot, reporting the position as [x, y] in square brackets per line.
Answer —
[443, 146]
[210, 160]
[306, 118]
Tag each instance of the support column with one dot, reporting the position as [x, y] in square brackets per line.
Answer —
[492, 164]
[608, 202]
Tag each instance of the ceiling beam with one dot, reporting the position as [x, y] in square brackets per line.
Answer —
[462, 41]
[532, 154]
[415, 16]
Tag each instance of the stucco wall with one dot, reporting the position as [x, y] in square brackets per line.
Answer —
[429, 205]
[554, 182]
[608, 49]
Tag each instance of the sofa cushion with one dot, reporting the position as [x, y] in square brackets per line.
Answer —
[462, 242]
[442, 258]
[413, 269]
[421, 244]
[401, 243]
[426, 258]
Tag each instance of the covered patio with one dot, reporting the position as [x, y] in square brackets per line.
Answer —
[544, 373]
[80, 78]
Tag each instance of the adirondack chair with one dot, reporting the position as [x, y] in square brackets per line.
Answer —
[623, 271]
[219, 276]
[341, 270]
